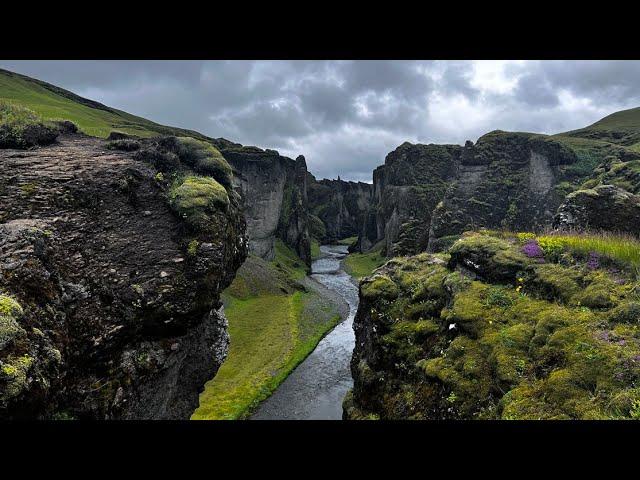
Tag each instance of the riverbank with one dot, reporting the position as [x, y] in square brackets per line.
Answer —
[277, 316]
[316, 388]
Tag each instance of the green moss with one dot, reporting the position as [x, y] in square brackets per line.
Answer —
[315, 249]
[192, 248]
[560, 342]
[196, 198]
[205, 159]
[10, 313]
[379, 286]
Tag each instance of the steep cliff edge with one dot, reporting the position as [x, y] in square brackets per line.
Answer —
[111, 272]
[501, 327]
[339, 206]
[274, 191]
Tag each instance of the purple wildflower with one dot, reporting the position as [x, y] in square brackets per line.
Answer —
[532, 250]
[594, 261]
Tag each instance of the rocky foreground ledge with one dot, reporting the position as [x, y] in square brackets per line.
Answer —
[110, 273]
[501, 327]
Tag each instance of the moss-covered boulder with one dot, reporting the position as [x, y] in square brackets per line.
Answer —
[493, 334]
[197, 199]
[21, 127]
[604, 207]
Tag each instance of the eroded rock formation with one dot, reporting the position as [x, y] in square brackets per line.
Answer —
[340, 207]
[112, 298]
[426, 195]
[274, 189]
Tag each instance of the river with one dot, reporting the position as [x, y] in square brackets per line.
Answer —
[315, 389]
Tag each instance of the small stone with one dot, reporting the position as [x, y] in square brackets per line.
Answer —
[178, 260]
[163, 274]
[175, 347]
[146, 213]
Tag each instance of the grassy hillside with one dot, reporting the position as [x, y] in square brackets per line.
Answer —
[93, 118]
[620, 128]
[273, 325]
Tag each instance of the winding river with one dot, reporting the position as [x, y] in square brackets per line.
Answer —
[315, 389]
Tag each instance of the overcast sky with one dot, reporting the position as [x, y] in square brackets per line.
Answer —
[345, 116]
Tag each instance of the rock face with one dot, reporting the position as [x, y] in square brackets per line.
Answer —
[118, 313]
[340, 206]
[496, 331]
[427, 195]
[605, 207]
[274, 191]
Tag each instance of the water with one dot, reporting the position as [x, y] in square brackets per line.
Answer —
[315, 389]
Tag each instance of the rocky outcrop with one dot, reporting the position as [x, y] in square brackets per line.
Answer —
[605, 207]
[425, 196]
[340, 206]
[110, 276]
[274, 193]
[497, 330]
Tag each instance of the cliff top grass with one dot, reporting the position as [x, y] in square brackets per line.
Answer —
[21, 127]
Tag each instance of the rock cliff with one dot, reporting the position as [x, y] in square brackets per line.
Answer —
[274, 191]
[425, 196]
[339, 206]
[111, 268]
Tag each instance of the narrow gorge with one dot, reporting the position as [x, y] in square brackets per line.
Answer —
[152, 272]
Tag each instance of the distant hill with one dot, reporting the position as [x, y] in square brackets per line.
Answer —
[620, 128]
[93, 118]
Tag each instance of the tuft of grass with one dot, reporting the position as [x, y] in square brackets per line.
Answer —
[21, 127]
[347, 241]
[288, 263]
[622, 248]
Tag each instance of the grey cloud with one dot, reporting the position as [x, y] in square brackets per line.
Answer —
[345, 116]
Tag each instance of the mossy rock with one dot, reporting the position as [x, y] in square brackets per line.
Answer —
[205, 159]
[553, 282]
[490, 258]
[626, 312]
[10, 313]
[196, 198]
[379, 286]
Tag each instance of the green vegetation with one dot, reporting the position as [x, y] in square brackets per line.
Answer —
[347, 241]
[315, 249]
[54, 103]
[624, 249]
[196, 198]
[204, 158]
[273, 326]
[21, 127]
[544, 337]
[10, 313]
[360, 265]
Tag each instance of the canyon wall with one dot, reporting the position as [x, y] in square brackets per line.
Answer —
[424, 196]
[110, 279]
[274, 192]
[339, 207]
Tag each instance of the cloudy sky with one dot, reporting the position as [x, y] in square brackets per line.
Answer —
[345, 116]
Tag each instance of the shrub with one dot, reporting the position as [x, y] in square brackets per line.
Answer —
[165, 161]
[66, 126]
[126, 145]
[21, 127]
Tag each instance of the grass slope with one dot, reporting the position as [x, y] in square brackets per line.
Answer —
[621, 128]
[273, 327]
[93, 118]
[361, 265]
